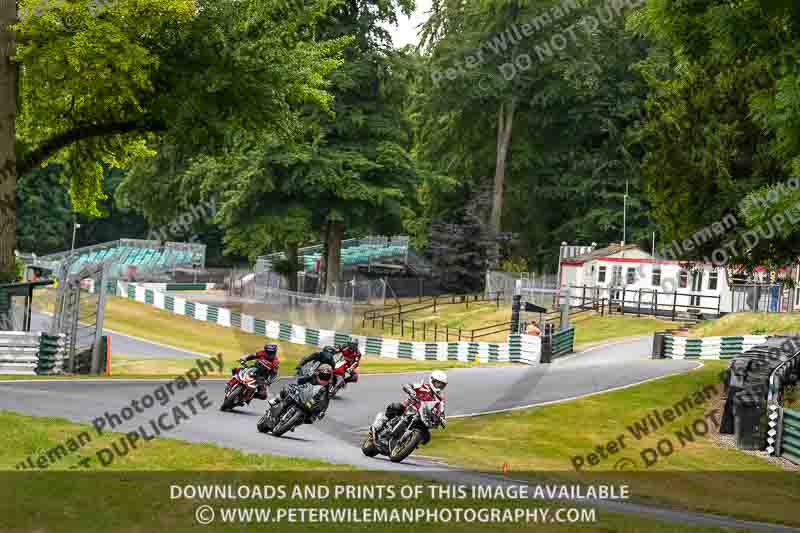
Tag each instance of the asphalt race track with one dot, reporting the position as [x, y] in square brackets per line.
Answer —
[336, 438]
[124, 344]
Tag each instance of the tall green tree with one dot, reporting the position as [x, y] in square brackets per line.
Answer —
[547, 131]
[722, 114]
[346, 168]
[97, 85]
[8, 142]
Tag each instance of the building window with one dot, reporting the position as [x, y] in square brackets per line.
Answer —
[617, 280]
[656, 279]
[601, 274]
[683, 279]
[630, 277]
[713, 276]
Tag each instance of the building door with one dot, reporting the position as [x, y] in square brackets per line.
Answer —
[616, 283]
[697, 286]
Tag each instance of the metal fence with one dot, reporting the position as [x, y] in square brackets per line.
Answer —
[671, 305]
[509, 284]
[770, 298]
[313, 311]
[370, 292]
[79, 308]
[392, 319]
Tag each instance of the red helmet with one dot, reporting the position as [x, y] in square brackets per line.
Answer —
[350, 349]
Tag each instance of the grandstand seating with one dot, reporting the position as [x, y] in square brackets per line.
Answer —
[358, 255]
[144, 256]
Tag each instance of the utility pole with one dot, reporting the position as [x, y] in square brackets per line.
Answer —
[625, 215]
[74, 231]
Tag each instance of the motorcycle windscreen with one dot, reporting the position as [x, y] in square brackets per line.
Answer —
[309, 395]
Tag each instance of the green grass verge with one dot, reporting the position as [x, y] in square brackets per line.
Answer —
[592, 328]
[145, 321]
[134, 494]
[27, 435]
[701, 476]
[748, 324]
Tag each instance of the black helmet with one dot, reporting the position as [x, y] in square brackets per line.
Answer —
[271, 350]
[329, 350]
[324, 374]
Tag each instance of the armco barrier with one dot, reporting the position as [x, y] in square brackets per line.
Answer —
[18, 351]
[678, 347]
[783, 436]
[790, 435]
[519, 349]
[51, 356]
[557, 345]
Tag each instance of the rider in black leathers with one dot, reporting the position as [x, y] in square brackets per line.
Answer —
[323, 375]
[327, 356]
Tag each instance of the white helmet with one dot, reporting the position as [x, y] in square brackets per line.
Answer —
[438, 381]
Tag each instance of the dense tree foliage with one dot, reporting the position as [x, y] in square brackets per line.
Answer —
[550, 133]
[347, 167]
[722, 117]
[301, 122]
[96, 86]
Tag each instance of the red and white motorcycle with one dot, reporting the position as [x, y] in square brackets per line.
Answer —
[399, 437]
[342, 376]
[241, 388]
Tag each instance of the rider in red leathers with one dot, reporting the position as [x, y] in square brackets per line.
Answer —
[267, 368]
[352, 357]
[430, 390]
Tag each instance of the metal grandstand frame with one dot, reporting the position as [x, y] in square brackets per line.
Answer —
[171, 258]
[79, 311]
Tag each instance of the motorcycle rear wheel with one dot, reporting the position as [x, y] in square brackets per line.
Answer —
[407, 444]
[368, 447]
[287, 421]
[232, 399]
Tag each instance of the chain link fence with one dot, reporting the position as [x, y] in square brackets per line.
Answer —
[540, 289]
[312, 311]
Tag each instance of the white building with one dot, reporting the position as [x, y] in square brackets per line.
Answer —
[631, 275]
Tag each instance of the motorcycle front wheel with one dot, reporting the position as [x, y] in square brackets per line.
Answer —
[368, 447]
[289, 420]
[232, 399]
[337, 387]
[408, 443]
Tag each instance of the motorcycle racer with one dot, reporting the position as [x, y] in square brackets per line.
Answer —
[352, 356]
[326, 356]
[267, 364]
[429, 390]
[322, 375]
